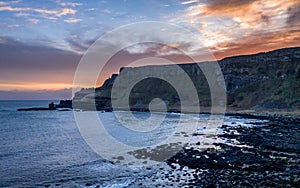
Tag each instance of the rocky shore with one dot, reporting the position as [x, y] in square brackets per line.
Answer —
[266, 155]
[262, 152]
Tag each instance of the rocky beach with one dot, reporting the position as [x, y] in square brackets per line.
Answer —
[260, 154]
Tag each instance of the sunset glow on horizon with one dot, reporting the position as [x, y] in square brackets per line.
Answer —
[42, 42]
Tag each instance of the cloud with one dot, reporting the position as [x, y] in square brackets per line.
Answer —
[79, 45]
[70, 4]
[66, 11]
[21, 14]
[189, 2]
[57, 13]
[231, 4]
[142, 48]
[84, 36]
[45, 11]
[259, 42]
[13, 25]
[235, 21]
[3, 3]
[248, 14]
[33, 21]
[154, 49]
[36, 95]
[16, 1]
[72, 20]
[107, 11]
[91, 9]
[32, 86]
[51, 18]
[33, 63]
[165, 44]
[294, 15]
[13, 9]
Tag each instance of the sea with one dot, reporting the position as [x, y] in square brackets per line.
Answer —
[46, 149]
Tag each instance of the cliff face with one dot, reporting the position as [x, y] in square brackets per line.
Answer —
[264, 80]
[261, 81]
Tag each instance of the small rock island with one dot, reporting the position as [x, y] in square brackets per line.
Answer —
[66, 104]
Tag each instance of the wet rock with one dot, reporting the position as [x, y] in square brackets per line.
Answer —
[271, 158]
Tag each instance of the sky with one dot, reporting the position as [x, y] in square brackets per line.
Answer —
[42, 42]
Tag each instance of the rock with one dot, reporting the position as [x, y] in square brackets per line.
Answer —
[88, 184]
[271, 162]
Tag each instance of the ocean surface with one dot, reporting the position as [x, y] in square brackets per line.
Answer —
[46, 149]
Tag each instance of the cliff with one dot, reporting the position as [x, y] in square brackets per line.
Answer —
[269, 80]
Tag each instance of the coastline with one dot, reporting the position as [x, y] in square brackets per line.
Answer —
[263, 155]
[230, 111]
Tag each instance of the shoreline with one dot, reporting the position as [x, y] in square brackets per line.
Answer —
[261, 156]
[266, 155]
[269, 114]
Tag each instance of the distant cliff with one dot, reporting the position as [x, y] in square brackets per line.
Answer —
[261, 81]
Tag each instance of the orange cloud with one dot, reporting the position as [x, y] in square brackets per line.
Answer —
[33, 86]
[174, 45]
[268, 41]
[245, 26]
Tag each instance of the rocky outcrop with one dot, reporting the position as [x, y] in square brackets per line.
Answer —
[51, 106]
[64, 104]
[268, 80]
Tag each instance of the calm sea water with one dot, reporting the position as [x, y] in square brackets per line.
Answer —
[45, 148]
[39, 148]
